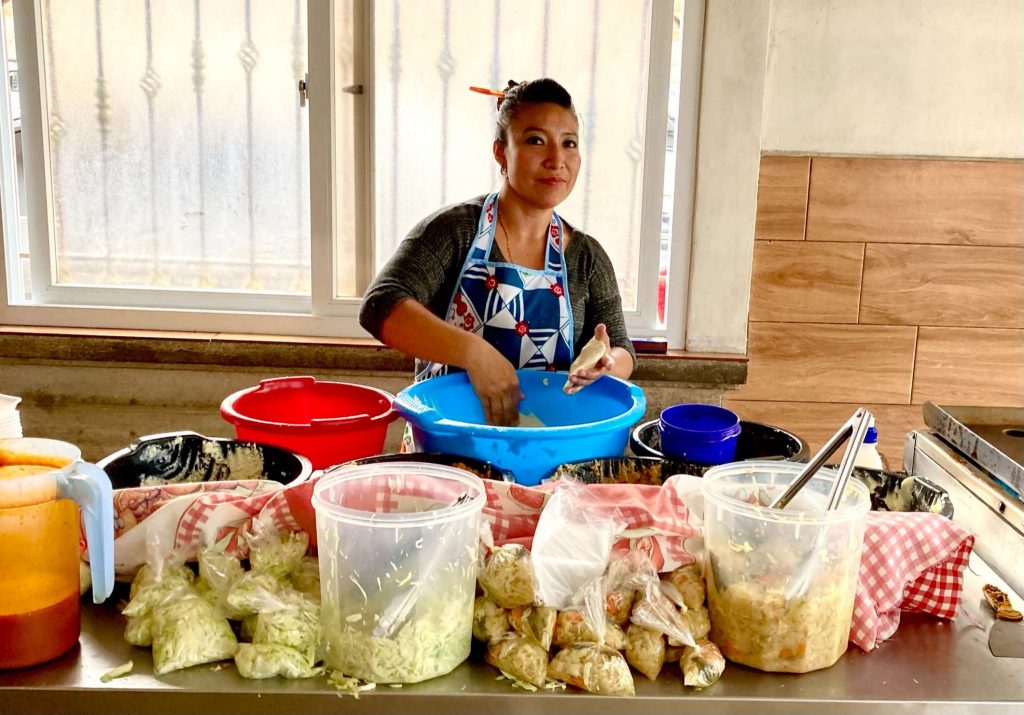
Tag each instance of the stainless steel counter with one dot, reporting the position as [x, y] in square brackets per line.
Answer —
[944, 666]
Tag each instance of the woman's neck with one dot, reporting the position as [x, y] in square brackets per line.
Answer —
[524, 223]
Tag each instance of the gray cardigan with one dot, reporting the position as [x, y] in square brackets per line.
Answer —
[427, 264]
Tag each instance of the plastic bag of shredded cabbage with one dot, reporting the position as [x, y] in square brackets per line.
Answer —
[592, 667]
[519, 657]
[267, 661]
[571, 627]
[689, 584]
[654, 610]
[507, 577]
[250, 591]
[645, 650]
[274, 553]
[489, 620]
[289, 619]
[189, 632]
[702, 666]
[219, 572]
[305, 577]
[535, 623]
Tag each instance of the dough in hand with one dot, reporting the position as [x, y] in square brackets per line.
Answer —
[591, 354]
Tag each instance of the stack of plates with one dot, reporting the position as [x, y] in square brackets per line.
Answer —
[10, 420]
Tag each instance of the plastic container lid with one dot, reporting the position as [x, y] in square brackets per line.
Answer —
[872, 434]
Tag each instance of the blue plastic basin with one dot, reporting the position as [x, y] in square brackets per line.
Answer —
[446, 416]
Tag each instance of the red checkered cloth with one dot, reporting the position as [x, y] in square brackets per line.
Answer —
[910, 562]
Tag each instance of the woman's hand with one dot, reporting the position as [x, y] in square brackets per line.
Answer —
[495, 382]
[584, 376]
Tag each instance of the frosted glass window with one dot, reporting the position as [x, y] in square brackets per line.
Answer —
[178, 152]
[432, 137]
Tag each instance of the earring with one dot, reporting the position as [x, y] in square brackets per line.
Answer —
[504, 169]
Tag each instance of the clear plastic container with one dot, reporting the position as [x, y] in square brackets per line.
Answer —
[398, 547]
[756, 556]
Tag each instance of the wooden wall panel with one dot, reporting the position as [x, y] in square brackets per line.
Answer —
[916, 201]
[782, 198]
[817, 362]
[967, 286]
[970, 366]
[815, 422]
[806, 282]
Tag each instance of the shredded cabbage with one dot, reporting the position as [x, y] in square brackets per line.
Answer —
[190, 631]
[264, 660]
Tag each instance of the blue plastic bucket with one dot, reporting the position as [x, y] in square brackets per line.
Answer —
[446, 416]
[703, 434]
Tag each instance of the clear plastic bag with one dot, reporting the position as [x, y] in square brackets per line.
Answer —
[490, 621]
[288, 618]
[305, 577]
[688, 582]
[645, 650]
[654, 610]
[508, 576]
[268, 661]
[250, 591]
[190, 631]
[275, 553]
[219, 571]
[592, 667]
[162, 580]
[535, 623]
[571, 626]
[519, 657]
[572, 543]
[702, 666]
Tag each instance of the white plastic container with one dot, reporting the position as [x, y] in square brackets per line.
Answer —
[755, 554]
[867, 455]
[398, 547]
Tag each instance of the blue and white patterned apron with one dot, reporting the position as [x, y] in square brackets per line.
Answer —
[524, 313]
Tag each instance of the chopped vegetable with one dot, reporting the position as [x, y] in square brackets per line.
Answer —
[507, 577]
[535, 623]
[118, 672]
[702, 666]
[188, 632]
[645, 650]
[250, 591]
[572, 627]
[277, 554]
[294, 622]
[219, 572]
[265, 660]
[352, 686]
[592, 667]
[689, 583]
[305, 577]
[489, 620]
[519, 659]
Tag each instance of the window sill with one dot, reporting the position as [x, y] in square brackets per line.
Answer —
[304, 354]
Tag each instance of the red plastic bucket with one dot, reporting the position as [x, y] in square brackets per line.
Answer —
[326, 422]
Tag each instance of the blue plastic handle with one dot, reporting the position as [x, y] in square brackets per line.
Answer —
[89, 486]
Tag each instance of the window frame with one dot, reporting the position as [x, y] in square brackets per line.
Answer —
[321, 313]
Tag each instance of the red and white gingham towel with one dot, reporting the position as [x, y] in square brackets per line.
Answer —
[910, 562]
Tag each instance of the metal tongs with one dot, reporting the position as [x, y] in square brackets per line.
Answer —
[852, 432]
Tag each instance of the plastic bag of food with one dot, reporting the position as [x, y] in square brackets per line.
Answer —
[188, 632]
[645, 650]
[247, 627]
[702, 666]
[250, 591]
[489, 620]
[219, 571]
[264, 660]
[535, 623]
[572, 627]
[507, 577]
[572, 543]
[654, 610]
[163, 579]
[289, 619]
[689, 584]
[697, 622]
[592, 667]
[275, 553]
[519, 658]
[305, 577]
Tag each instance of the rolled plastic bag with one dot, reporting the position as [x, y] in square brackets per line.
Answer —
[702, 666]
[263, 660]
[594, 668]
[490, 621]
[190, 631]
[507, 577]
[645, 650]
[572, 543]
[518, 657]
[697, 622]
[535, 623]
[654, 610]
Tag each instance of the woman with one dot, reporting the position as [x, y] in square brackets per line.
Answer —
[501, 282]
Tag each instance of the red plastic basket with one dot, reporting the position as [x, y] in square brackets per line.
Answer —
[326, 422]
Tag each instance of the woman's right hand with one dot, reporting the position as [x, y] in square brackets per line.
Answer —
[495, 382]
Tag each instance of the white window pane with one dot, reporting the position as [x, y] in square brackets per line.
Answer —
[433, 137]
[178, 152]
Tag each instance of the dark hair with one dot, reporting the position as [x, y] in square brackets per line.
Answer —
[537, 91]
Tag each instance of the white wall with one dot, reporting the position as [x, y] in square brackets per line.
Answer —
[896, 77]
[940, 78]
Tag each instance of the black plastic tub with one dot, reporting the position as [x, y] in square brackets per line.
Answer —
[756, 441]
[189, 457]
[484, 470]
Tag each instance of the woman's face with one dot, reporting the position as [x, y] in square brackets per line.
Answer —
[542, 155]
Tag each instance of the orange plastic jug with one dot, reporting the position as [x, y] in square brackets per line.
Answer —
[43, 488]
